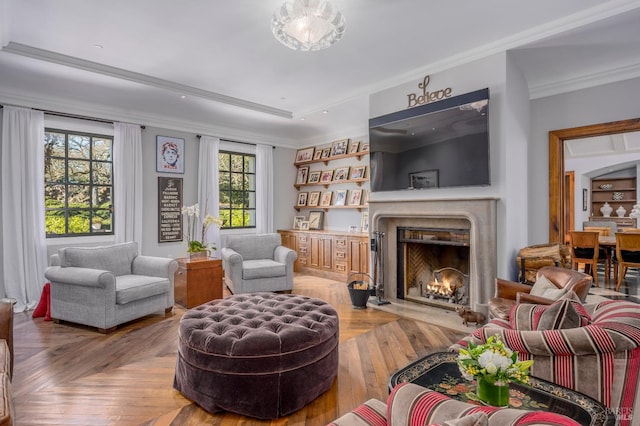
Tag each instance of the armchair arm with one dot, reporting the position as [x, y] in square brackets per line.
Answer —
[509, 289]
[232, 264]
[530, 298]
[285, 255]
[81, 276]
[154, 266]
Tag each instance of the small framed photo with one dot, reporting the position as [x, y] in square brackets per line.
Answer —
[340, 197]
[339, 147]
[325, 199]
[355, 197]
[304, 225]
[357, 172]
[326, 176]
[364, 147]
[364, 223]
[302, 198]
[353, 228]
[314, 199]
[423, 179]
[341, 173]
[296, 221]
[354, 146]
[314, 177]
[585, 197]
[316, 220]
[317, 154]
[305, 154]
[326, 152]
[169, 154]
[303, 174]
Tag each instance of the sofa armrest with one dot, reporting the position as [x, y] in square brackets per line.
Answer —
[154, 266]
[285, 255]
[80, 276]
[232, 264]
[6, 328]
[372, 412]
[530, 298]
[509, 289]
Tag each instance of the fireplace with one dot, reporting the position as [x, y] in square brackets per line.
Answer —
[471, 228]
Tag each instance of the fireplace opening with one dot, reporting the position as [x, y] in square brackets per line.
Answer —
[433, 266]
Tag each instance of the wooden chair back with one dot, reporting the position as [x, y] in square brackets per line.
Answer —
[631, 230]
[604, 231]
[627, 253]
[585, 249]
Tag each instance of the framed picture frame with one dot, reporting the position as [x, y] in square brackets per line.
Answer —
[326, 152]
[169, 154]
[353, 228]
[355, 197]
[303, 174]
[296, 221]
[304, 225]
[326, 176]
[341, 173]
[353, 147]
[339, 147]
[423, 179]
[585, 197]
[340, 197]
[302, 198]
[314, 199]
[170, 225]
[305, 154]
[325, 198]
[316, 220]
[314, 177]
[364, 222]
[364, 147]
[317, 155]
[357, 172]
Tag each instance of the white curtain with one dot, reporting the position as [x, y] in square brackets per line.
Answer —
[24, 248]
[208, 197]
[127, 183]
[264, 189]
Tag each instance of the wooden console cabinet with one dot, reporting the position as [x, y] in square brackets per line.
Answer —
[198, 282]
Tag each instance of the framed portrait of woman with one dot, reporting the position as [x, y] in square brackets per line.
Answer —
[169, 154]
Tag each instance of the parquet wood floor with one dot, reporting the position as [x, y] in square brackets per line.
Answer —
[72, 375]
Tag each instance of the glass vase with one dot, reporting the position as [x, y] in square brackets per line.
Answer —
[492, 394]
[194, 256]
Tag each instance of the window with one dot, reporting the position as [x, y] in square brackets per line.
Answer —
[78, 183]
[237, 180]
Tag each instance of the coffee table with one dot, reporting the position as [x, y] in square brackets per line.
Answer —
[439, 372]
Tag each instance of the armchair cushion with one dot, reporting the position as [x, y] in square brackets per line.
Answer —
[262, 268]
[562, 314]
[105, 258]
[130, 288]
[543, 287]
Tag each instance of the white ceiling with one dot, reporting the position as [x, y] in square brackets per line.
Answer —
[241, 83]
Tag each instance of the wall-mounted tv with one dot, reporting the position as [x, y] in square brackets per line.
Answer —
[437, 145]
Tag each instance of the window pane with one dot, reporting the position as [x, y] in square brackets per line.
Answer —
[54, 196]
[250, 218]
[236, 199]
[237, 219]
[223, 161]
[251, 200]
[101, 173]
[78, 222]
[54, 144]
[250, 182]
[79, 146]
[236, 163]
[78, 196]
[101, 221]
[223, 181]
[250, 164]
[224, 216]
[237, 183]
[78, 171]
[102, 149]
[225, 201]
[54, 170]
[101, 197]
[54, 223]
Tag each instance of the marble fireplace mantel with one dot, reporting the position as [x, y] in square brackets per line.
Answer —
[476, 214]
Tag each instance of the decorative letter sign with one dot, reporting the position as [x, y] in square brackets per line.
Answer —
[427, 97]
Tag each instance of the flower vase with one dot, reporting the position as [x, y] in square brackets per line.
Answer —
[492, 394]
[193, 256]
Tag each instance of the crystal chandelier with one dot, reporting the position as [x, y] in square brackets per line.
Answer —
[307, 24]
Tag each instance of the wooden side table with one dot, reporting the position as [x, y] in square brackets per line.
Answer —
[198, 282]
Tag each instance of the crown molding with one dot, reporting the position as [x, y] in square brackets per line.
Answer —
[81, 64]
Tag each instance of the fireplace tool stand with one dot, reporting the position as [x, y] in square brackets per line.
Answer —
[378, 269]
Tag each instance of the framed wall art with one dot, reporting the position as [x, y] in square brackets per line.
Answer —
[304, 225]
[326, 176]
[340, 198]
[364, 223]
[357, 172]
[297, 220]
[169, 154]
[314, 199]
[339, 147]
[341, 173]
[423, 179]
[314, 177]
[303, 174]
[305, 154]
[355, 197]
[325, 199]
[302, 198]
[326, 152]
[169, 209]
[354, 146]
[316, 220]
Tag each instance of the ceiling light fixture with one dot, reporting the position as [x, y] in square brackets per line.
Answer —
[307, 24]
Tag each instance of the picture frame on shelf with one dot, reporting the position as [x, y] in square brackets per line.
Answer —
[364, 222]
[354, 146]
[353, 228]
[316, 220]
[314, 177]
[423, 179]
[364, 147]
[314, 198]
[302, 198]
[355, 197]
[296, 221]
[169, 154]
[304, 225]
[326, 176]
[340, 197]
[365, 197]
[339, 147]
[317, 155]
[325, 199]
[326, 152]
[303, 174]
[357, 172]
[340, 174]
[305, 154]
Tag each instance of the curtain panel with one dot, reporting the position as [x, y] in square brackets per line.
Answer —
[264, 189]
[208, 189]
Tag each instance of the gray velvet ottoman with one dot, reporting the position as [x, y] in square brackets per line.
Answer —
[262, 355]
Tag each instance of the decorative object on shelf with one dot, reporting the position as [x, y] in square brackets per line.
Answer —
[355, 196]
[354, 146]
[325, 199]
[304, 225]
[326, 176]
[618, 196]
[305, 154]
[198, 247]
[357, 172]
[635, 211]
[303, 174]
[340, 198]
[621, 211]
[314, 177]
[307, 25]
[364, 222]
[606, 186]
[326, 152]
[316, 220]
[314, 198]
[606, 210]
[302, 198]
[297, 220]
[493, 365]
[341, 173]
[364, 147]
[339, 147]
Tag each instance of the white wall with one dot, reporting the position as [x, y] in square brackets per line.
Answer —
[610, 102]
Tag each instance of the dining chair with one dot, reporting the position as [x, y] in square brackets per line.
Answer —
[627, 253]
[604, 231]
[630, 230]
[606, 253]
[585, 249]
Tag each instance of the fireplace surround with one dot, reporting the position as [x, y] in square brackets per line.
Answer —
[478, 215]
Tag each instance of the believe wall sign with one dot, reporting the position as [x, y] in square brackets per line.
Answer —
[169, 209]
[427, 97]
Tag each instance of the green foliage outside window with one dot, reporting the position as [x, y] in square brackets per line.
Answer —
[236, 179]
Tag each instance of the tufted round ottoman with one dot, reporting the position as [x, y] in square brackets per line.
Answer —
[262, 355]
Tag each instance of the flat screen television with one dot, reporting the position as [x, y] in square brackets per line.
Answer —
[436, 145]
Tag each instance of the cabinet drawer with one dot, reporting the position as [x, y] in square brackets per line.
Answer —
[340, 266]
[303, 250]
[303, 238]
[303, 261]
[340, 255]
[340, 242]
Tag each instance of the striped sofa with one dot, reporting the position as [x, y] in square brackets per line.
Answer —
[600, 359]
[410, 404]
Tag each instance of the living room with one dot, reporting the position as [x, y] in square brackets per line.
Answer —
[521, 114]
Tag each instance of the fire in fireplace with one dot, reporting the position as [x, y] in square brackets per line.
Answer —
[448, 284]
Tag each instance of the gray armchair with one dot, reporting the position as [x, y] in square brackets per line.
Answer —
[106, 286]
[254, 263]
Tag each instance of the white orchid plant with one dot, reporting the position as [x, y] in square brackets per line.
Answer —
[192, 214]
[493, 361]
